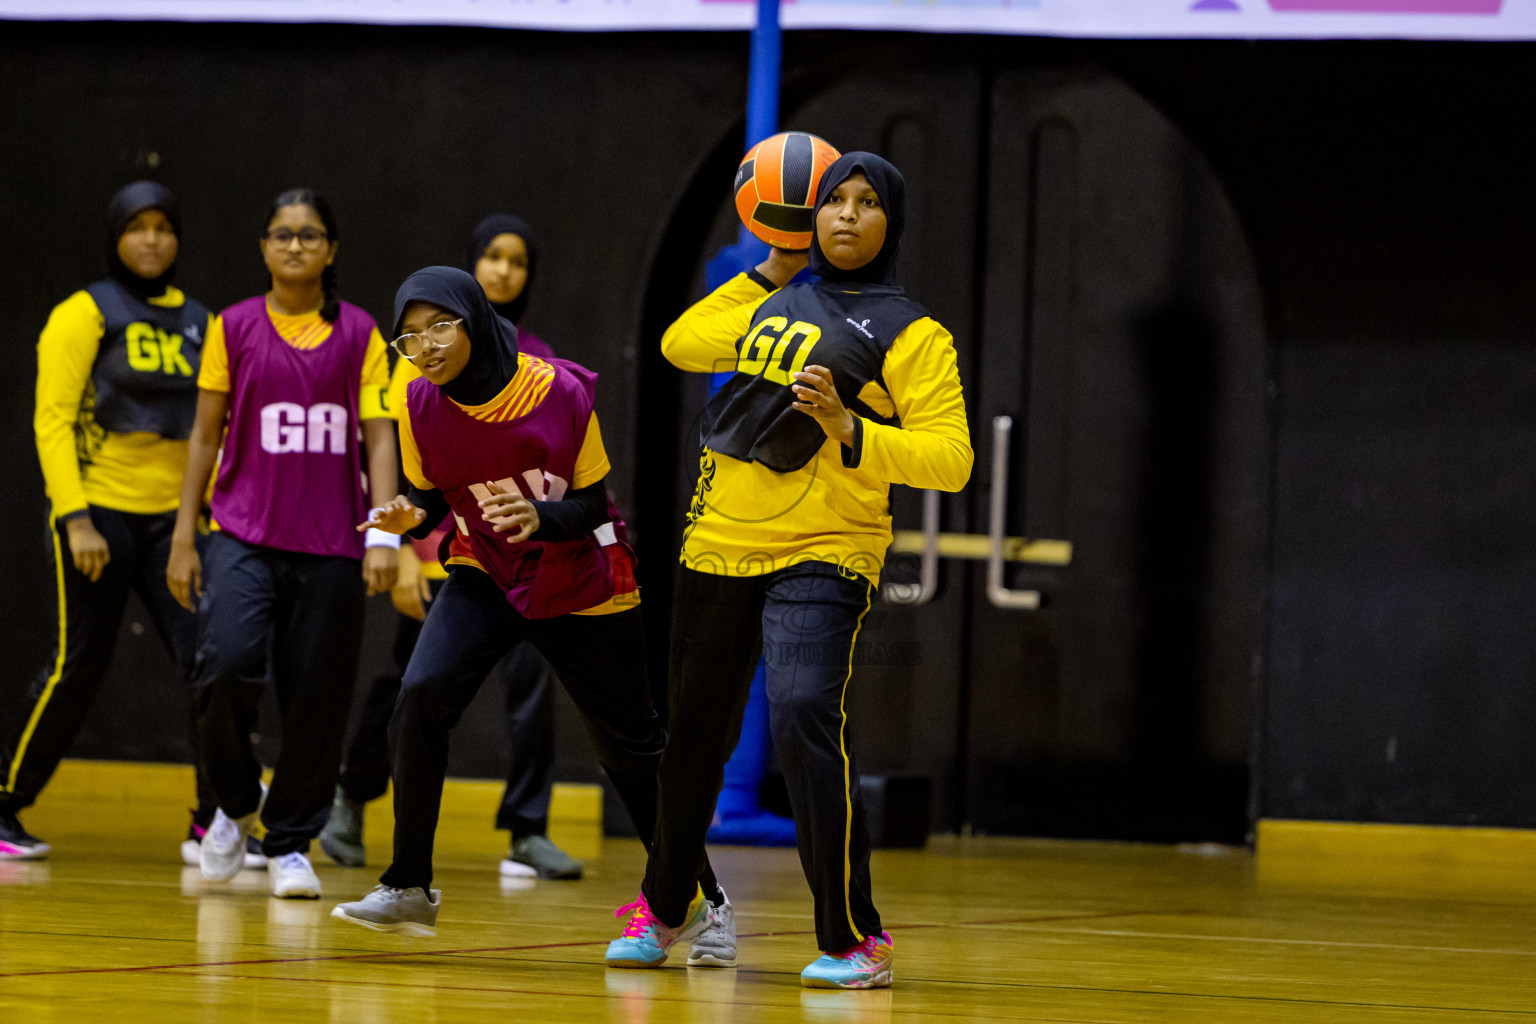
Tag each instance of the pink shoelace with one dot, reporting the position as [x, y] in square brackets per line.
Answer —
[872, 951]
[641, 922]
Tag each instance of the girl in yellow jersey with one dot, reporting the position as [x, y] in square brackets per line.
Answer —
[116, 389]
[842, 387]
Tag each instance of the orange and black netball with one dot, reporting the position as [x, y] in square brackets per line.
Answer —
[776, 187]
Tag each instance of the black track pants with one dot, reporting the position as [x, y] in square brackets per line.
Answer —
[309, 610]
[41, 729]
[528, 687]
[805, 620]
[599, 659]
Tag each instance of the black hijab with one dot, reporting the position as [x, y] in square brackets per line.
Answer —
[482, 236]
[492, 338]
[889, 186]
[126, 204]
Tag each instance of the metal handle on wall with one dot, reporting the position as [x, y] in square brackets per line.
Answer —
[997, 593]
[922, 591]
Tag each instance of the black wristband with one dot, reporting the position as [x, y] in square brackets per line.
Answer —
[853, 451]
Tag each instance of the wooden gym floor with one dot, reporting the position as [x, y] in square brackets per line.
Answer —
[112, 928]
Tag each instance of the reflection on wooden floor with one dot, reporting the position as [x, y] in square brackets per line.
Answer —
[112, 928]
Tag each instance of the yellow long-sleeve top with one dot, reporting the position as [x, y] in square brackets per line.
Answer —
[83, 463]
[747, 520]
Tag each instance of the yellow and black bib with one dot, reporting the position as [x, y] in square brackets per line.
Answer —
[145, 374]
[846, 328]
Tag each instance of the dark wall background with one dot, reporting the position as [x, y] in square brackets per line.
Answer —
[1299, 480]
[412, 135]
[1381, 187]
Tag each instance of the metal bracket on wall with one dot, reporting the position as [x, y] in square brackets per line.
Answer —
[997, 593]
[994, 547]
[922, 591]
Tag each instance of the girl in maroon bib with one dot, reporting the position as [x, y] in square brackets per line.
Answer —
[535, 454]
[509, 446]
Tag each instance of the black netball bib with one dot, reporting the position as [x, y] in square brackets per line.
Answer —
[751, 417]
[145, 373]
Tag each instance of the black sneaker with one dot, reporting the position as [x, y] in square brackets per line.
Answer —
[16, 843]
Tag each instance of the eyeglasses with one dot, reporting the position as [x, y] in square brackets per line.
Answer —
[437, 336]
[308, 238]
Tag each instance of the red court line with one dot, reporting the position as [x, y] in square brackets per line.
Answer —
[401, 954]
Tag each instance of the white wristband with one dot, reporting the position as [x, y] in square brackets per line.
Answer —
[381, 539]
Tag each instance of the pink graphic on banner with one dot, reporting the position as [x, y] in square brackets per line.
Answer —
[1390, 6]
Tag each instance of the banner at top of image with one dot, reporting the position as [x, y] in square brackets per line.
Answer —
[1231, 19]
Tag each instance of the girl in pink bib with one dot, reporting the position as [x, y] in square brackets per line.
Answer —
[289, 381]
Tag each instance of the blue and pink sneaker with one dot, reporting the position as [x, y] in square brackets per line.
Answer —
[867, 965]
[646, 940]
[16, 843]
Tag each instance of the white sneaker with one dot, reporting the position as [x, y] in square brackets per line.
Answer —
[255, 860]
[221, 854]
[716, 945]
[292, 876]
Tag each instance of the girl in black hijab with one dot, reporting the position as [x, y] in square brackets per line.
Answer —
[842, 387]
[116, 390]
[509, 444]
[502, 254]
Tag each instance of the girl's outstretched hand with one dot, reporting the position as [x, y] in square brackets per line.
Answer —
[395, 516]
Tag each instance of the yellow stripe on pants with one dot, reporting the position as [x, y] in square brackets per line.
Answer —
[58, 664]
[842, 746]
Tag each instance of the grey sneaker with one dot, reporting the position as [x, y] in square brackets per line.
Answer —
[342, 837]
[716, 945]
[402, 911]
[537, 857]
[222, 853]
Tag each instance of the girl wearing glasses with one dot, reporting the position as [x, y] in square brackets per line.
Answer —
[509, 445]
[287, 377]
[116, 390]
[503, 256]
[842, 387]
